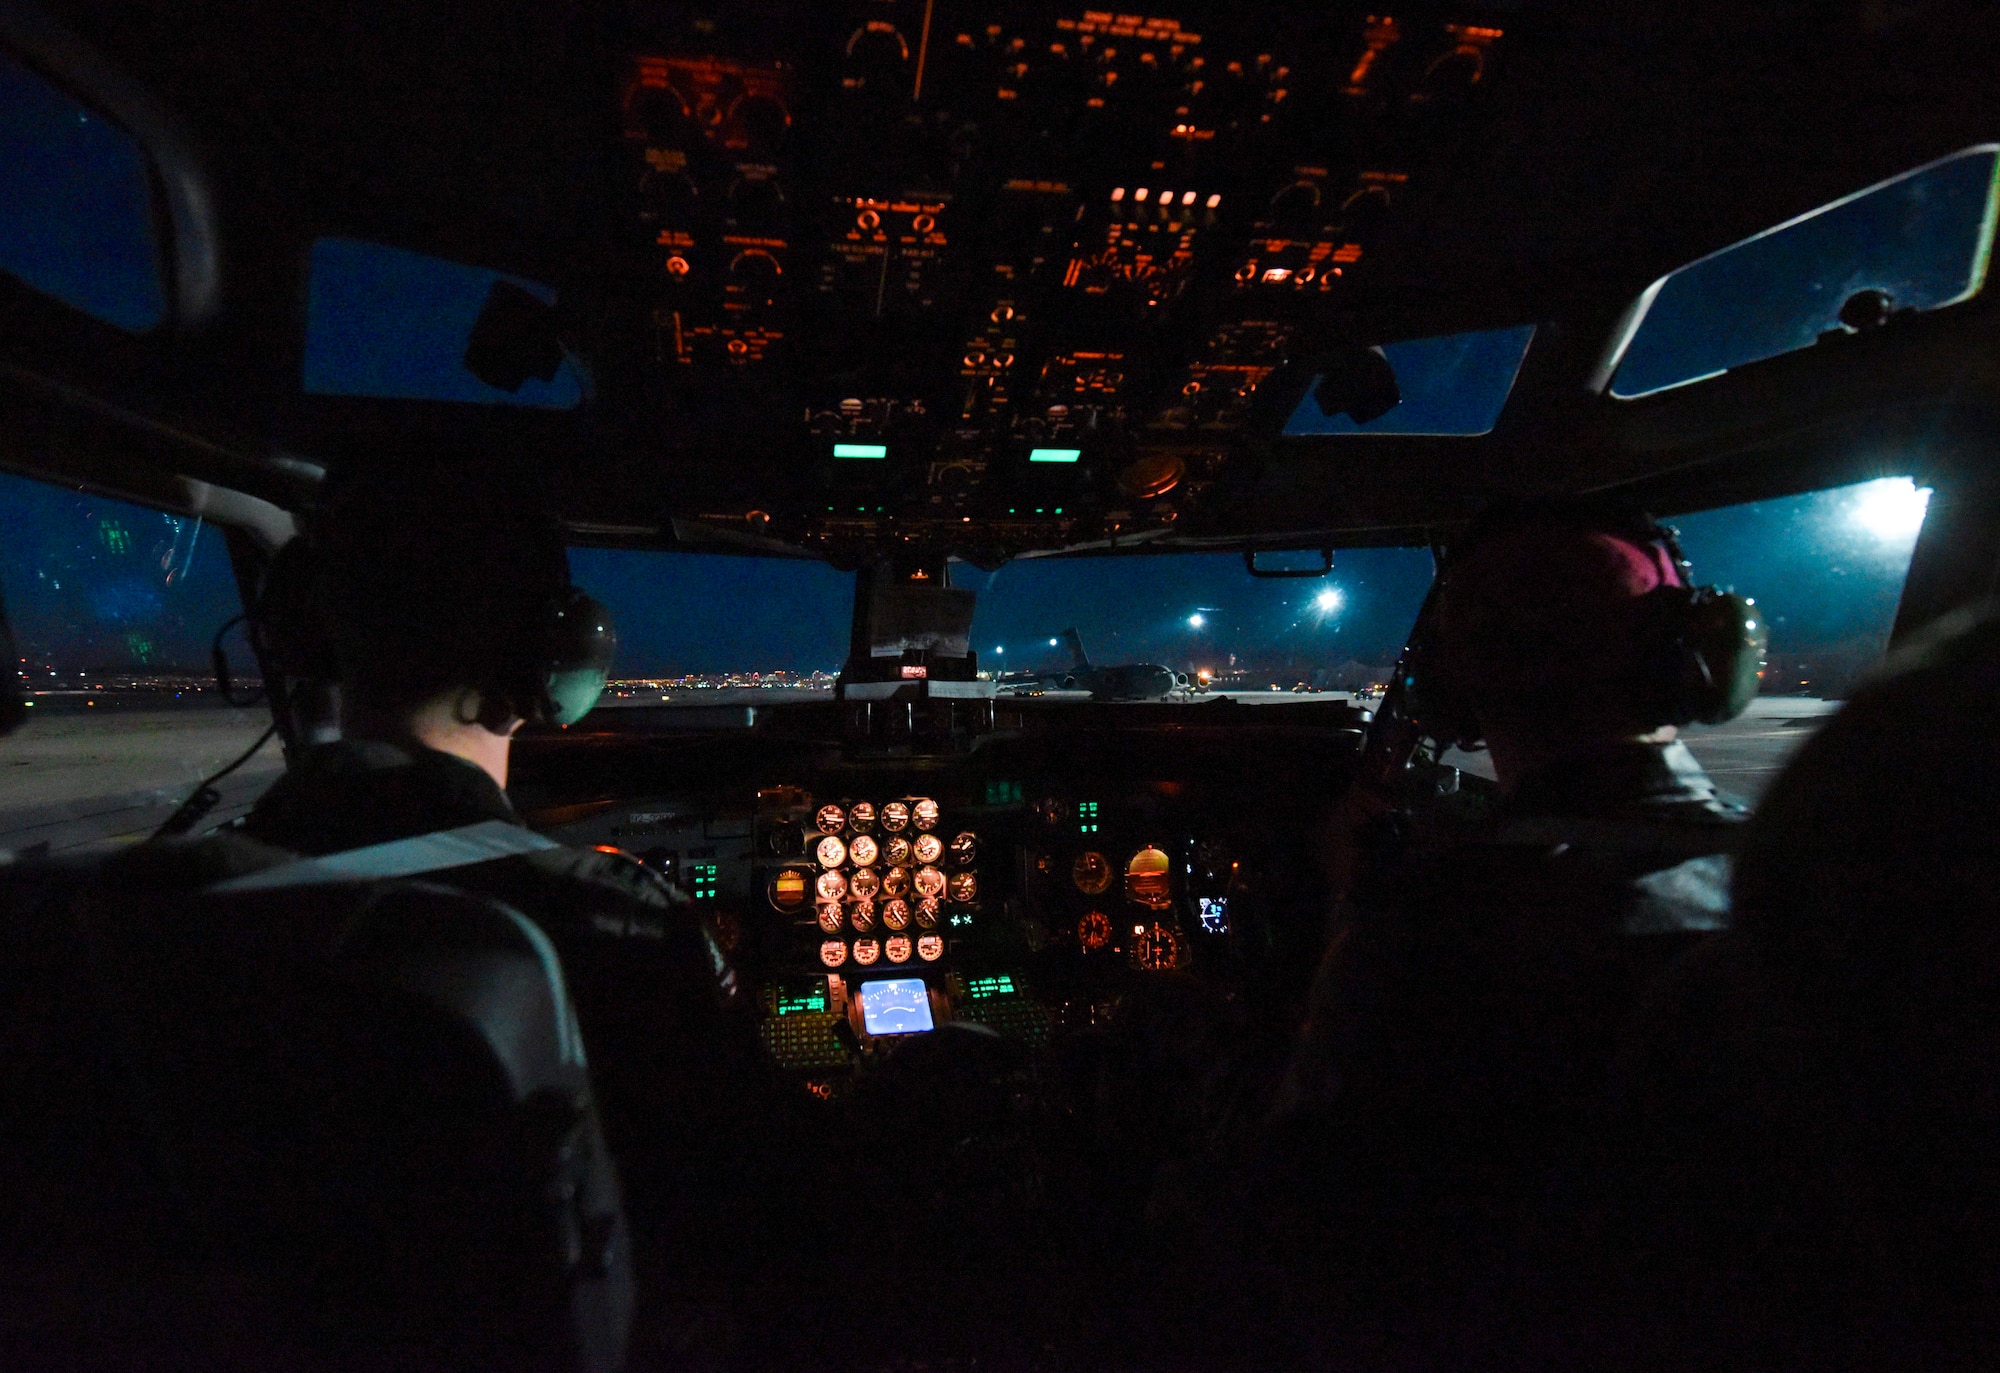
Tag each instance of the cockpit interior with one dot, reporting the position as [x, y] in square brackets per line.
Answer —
[912, 297]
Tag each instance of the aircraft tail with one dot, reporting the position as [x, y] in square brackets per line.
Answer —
[1080, 660]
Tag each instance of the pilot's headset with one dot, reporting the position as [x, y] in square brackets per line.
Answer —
[1699, 656]
[536, 644]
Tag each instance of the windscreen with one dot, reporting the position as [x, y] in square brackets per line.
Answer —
[1109, 626]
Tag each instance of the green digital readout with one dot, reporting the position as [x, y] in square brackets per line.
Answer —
[1004, 793]
[1086, 817]
[986, 988]
[703, 878]
[1054, 454]
[800, 998]
[861, 450]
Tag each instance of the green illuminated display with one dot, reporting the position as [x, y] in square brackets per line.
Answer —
[800, 998]
[703, 878]
[1054, 454]
[985, 988]
[1003, 793]
[861, 450]
[1086, 817]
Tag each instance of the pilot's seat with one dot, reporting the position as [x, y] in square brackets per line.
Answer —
[344, 1126]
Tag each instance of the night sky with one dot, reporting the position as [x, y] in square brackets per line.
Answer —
[93, 584]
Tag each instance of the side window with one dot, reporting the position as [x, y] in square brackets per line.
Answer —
[76, 205]
[1827, 569]
[114, 607]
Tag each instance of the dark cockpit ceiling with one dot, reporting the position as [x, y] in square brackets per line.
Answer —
[916, 227]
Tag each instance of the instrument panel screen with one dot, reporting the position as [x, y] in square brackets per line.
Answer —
[896, 1006]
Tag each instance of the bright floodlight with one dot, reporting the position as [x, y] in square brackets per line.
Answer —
[1052, 643]
[1327, 601]
[1197, 620]
[1891, 509]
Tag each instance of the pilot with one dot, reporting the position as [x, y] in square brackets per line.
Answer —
[445, 606]
[1808, 1135]
[1438, 1101]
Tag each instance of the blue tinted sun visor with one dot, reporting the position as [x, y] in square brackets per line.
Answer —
[1452, 384]
[76, 205]
[1920, 239]
[392, 323]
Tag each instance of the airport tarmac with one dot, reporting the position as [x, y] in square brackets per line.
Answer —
[73, 779]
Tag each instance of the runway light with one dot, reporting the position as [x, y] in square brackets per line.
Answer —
[1052, 643]
[1197, 620]
[1891, 509]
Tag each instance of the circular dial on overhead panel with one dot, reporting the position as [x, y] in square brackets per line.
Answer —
[895, 816]
[831, 886]
[925, 813]
[862, 914]
[863, 882]
[896, 882]
[833, 952]
[1157, 949]
[927, 913]
[831, 918]
[930, 948]
[1147, 879]
[964, 887]
[788, 889]
[895, 915]
[928, 848]
[965, 848]
[1094, 930]
[831, 819]
[862, 850]
[929, 883]
[898, 948]
[862, 816]
[1091, 872]
[831, 852]
[896, 850]
[866, 951]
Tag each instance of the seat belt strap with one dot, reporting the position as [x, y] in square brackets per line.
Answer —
[423, 853]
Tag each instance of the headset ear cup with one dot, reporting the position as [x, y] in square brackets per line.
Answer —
[1725, 642]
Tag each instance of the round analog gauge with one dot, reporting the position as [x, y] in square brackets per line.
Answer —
[862, 850]
[831, 886]
[861, 815]
[930, 883]
[831, 852]
[925, 813]
[1091, 873]
[897, 947]
[862, 913]
[965, 848]
[863, 882]
[833, 952]
[927, 909]
[1146, 879]
[1052, 810]
[831, 918]
[964, 887]
[831, 819]
[866, 951]
[895, 816]
[1157, 949]
[930, 948]
[895, 914]
[928, 848]
[1094, 930]
[897, 850]
[788, 889]
[896, 882]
